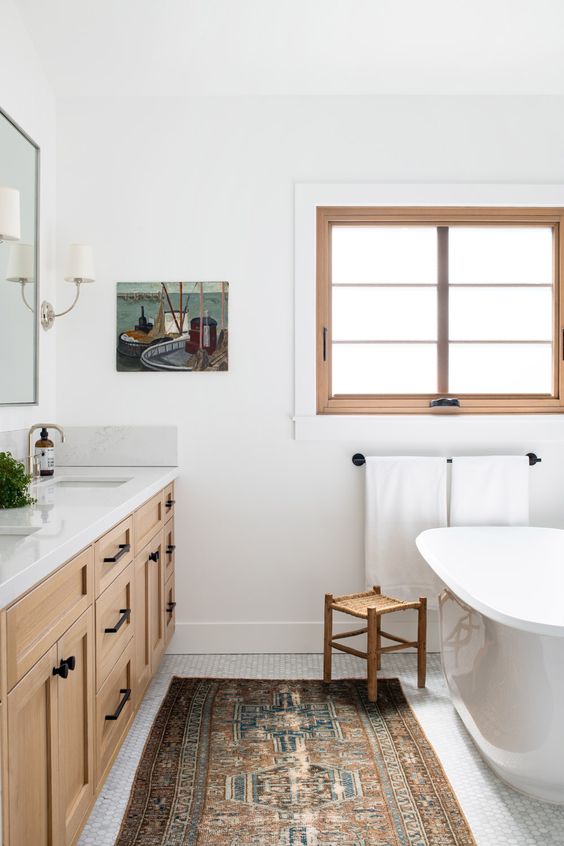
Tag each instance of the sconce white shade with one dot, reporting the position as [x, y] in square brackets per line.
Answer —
[21, 263]
[80, 263]
[10, 225]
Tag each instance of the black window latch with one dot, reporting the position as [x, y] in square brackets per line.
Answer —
[445, 402]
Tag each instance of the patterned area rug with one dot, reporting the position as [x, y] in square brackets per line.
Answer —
[235, 762]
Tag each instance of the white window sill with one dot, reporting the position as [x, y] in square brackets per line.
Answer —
[417, 431]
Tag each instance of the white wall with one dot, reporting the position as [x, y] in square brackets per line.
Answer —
[26, 96]
[203, 189]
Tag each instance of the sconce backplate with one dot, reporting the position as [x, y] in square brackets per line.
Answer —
[47, 315]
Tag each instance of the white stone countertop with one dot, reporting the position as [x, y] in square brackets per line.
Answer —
[74, 508]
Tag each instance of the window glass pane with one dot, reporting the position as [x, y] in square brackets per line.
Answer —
[500, 368]
[501, 255]
[384, 368]
[400, 314]
[500, 314]
[384, 254]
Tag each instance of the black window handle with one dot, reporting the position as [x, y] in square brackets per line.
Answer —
[62, 670]
[125, 615]
[154, 556]
[123, 550]
[170, 607]
[170, 502]
[126, 695]
[170, 548]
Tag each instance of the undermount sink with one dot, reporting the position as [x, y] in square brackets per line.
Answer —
[90, 482]
[21, 531]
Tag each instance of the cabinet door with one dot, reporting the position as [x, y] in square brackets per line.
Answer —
[169, 547]
[76, 725]
[142, 636]
[33, 785]
[156, 601]
[170, 609]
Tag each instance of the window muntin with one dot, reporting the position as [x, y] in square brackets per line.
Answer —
[423, 308]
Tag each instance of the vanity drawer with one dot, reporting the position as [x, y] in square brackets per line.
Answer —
[35, 622]
[169, 547]
[170, 609]
[114, 710]
[115, 621]
[147, 520]
[169, 501]
[112, 553]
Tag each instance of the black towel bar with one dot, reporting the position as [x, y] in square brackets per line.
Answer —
[358, 459]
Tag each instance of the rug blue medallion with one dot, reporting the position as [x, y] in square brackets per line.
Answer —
[235, 762]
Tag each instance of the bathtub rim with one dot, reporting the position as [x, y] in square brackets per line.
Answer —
[425, 546]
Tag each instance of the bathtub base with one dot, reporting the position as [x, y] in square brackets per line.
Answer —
[508, 688]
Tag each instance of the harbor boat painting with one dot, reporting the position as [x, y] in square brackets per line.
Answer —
[172, 326]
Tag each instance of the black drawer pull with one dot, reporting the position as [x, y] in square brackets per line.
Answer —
[170, 502]
[70, 662]
[62, 670]
[170, 548]
[125, 615]
[126, 695]
[154, 556]
[170, 607]
[123, 550]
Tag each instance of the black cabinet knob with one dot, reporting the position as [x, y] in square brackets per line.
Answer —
[170, 502]
[154, 556]
[62, 670]
[70, 662]
[170, 548]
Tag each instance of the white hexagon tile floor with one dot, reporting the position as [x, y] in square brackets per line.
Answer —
[498, 815]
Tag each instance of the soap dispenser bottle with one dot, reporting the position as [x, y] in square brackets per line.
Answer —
[45, 454]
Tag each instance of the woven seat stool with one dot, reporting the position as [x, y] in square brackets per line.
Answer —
[371, 606]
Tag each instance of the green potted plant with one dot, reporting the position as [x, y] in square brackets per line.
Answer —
[14, 483]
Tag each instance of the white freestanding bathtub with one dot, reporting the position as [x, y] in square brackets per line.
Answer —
[502, 638]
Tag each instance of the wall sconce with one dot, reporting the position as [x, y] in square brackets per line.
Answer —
[79, 268]
[21, 267]
[10, 228]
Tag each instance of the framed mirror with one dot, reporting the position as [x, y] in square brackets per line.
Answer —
[19, 264]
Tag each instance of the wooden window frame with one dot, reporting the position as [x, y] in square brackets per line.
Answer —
[328, 403]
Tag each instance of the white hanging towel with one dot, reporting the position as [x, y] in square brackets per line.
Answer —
[490, 490]
[404, 496]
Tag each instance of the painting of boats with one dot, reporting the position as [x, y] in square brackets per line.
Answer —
[172, 326]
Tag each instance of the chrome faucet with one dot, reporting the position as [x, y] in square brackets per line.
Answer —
[31, 464]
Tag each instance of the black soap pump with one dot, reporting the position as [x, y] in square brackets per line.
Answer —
[45, 454]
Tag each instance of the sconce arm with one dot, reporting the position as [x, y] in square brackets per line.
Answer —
[74, 302]
[48, 314]
[22, 283]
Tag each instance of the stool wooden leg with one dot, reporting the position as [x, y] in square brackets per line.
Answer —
[378, 589]
[328, 636]
[422, 642]
[378, 642]
[372, 655]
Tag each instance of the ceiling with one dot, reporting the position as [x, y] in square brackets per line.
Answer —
[298, 47]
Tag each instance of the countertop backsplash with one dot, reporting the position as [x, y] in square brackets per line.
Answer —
[104, 446]
[117, 446]
[15, 442]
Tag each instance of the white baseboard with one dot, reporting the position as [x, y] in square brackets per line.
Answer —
[261, 637]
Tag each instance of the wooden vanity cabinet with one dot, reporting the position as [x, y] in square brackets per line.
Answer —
[76, 655]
